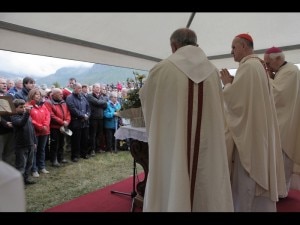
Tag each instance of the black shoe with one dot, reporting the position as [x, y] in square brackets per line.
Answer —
[75, 160]
[29, 182]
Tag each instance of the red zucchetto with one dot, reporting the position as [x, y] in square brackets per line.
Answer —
[273, 50]
[245, 36]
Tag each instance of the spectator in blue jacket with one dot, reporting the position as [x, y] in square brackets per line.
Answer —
[111, 121]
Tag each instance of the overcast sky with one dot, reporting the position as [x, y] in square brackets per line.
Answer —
[20, 63]
[36, 65]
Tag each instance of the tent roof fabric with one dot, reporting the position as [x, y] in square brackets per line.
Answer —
[140, 40]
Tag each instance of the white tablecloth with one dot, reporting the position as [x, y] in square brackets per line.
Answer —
[137, 133]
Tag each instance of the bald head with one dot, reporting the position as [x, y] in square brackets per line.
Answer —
[57, 94]
[56, 90]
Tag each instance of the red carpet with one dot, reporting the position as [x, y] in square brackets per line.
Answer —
[291, 203]
[104, 201]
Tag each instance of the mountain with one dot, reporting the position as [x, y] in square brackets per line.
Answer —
[9, 75]
[98, 73]
[62, 75]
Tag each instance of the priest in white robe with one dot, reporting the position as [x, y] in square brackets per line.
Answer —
[285, 82]
[257, 169]
[183, 109]
[12, 193]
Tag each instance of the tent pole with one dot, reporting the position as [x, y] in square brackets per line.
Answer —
[190, 20]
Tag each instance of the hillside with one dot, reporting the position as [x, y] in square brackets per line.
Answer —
[103, 74]
[9, 75]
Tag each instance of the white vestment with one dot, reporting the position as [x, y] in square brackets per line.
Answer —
[286, 91]
[164, 98]
[251, 116]
[12, 193]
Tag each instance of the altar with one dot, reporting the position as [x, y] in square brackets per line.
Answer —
[139, 151]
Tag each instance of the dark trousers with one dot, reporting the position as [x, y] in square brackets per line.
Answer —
[110, 139]
[79, 141]
[96, 131]
[47, 149]
[24, 160]
[57, 141]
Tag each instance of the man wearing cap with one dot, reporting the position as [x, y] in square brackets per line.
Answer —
[285, 82]
[257, 172]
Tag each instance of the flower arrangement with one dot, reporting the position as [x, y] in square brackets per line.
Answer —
[133, 99]
[131, 106]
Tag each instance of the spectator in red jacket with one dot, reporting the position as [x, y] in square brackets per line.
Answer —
[41, 121]
[60, 116]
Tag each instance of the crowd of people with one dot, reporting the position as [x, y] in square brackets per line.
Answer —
[48, 122]
[212, 147]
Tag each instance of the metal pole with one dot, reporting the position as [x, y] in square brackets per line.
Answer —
[116, 128]
[190, 20]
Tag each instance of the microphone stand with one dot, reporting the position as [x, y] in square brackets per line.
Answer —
[133, 193]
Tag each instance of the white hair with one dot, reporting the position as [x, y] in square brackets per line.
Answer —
[275, 55]
[113, 94]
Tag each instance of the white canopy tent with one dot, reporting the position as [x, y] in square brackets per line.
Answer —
[140, 40]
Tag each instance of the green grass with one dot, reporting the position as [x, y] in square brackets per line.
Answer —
[75, 179]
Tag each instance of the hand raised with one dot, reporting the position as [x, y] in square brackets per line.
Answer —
[226, 77]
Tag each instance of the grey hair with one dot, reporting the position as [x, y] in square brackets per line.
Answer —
[77, 85]
[184, 36]
[113, 94]
[10, 80]
[96, 85]
[275, 55]
[19, 80]
[245, 41]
